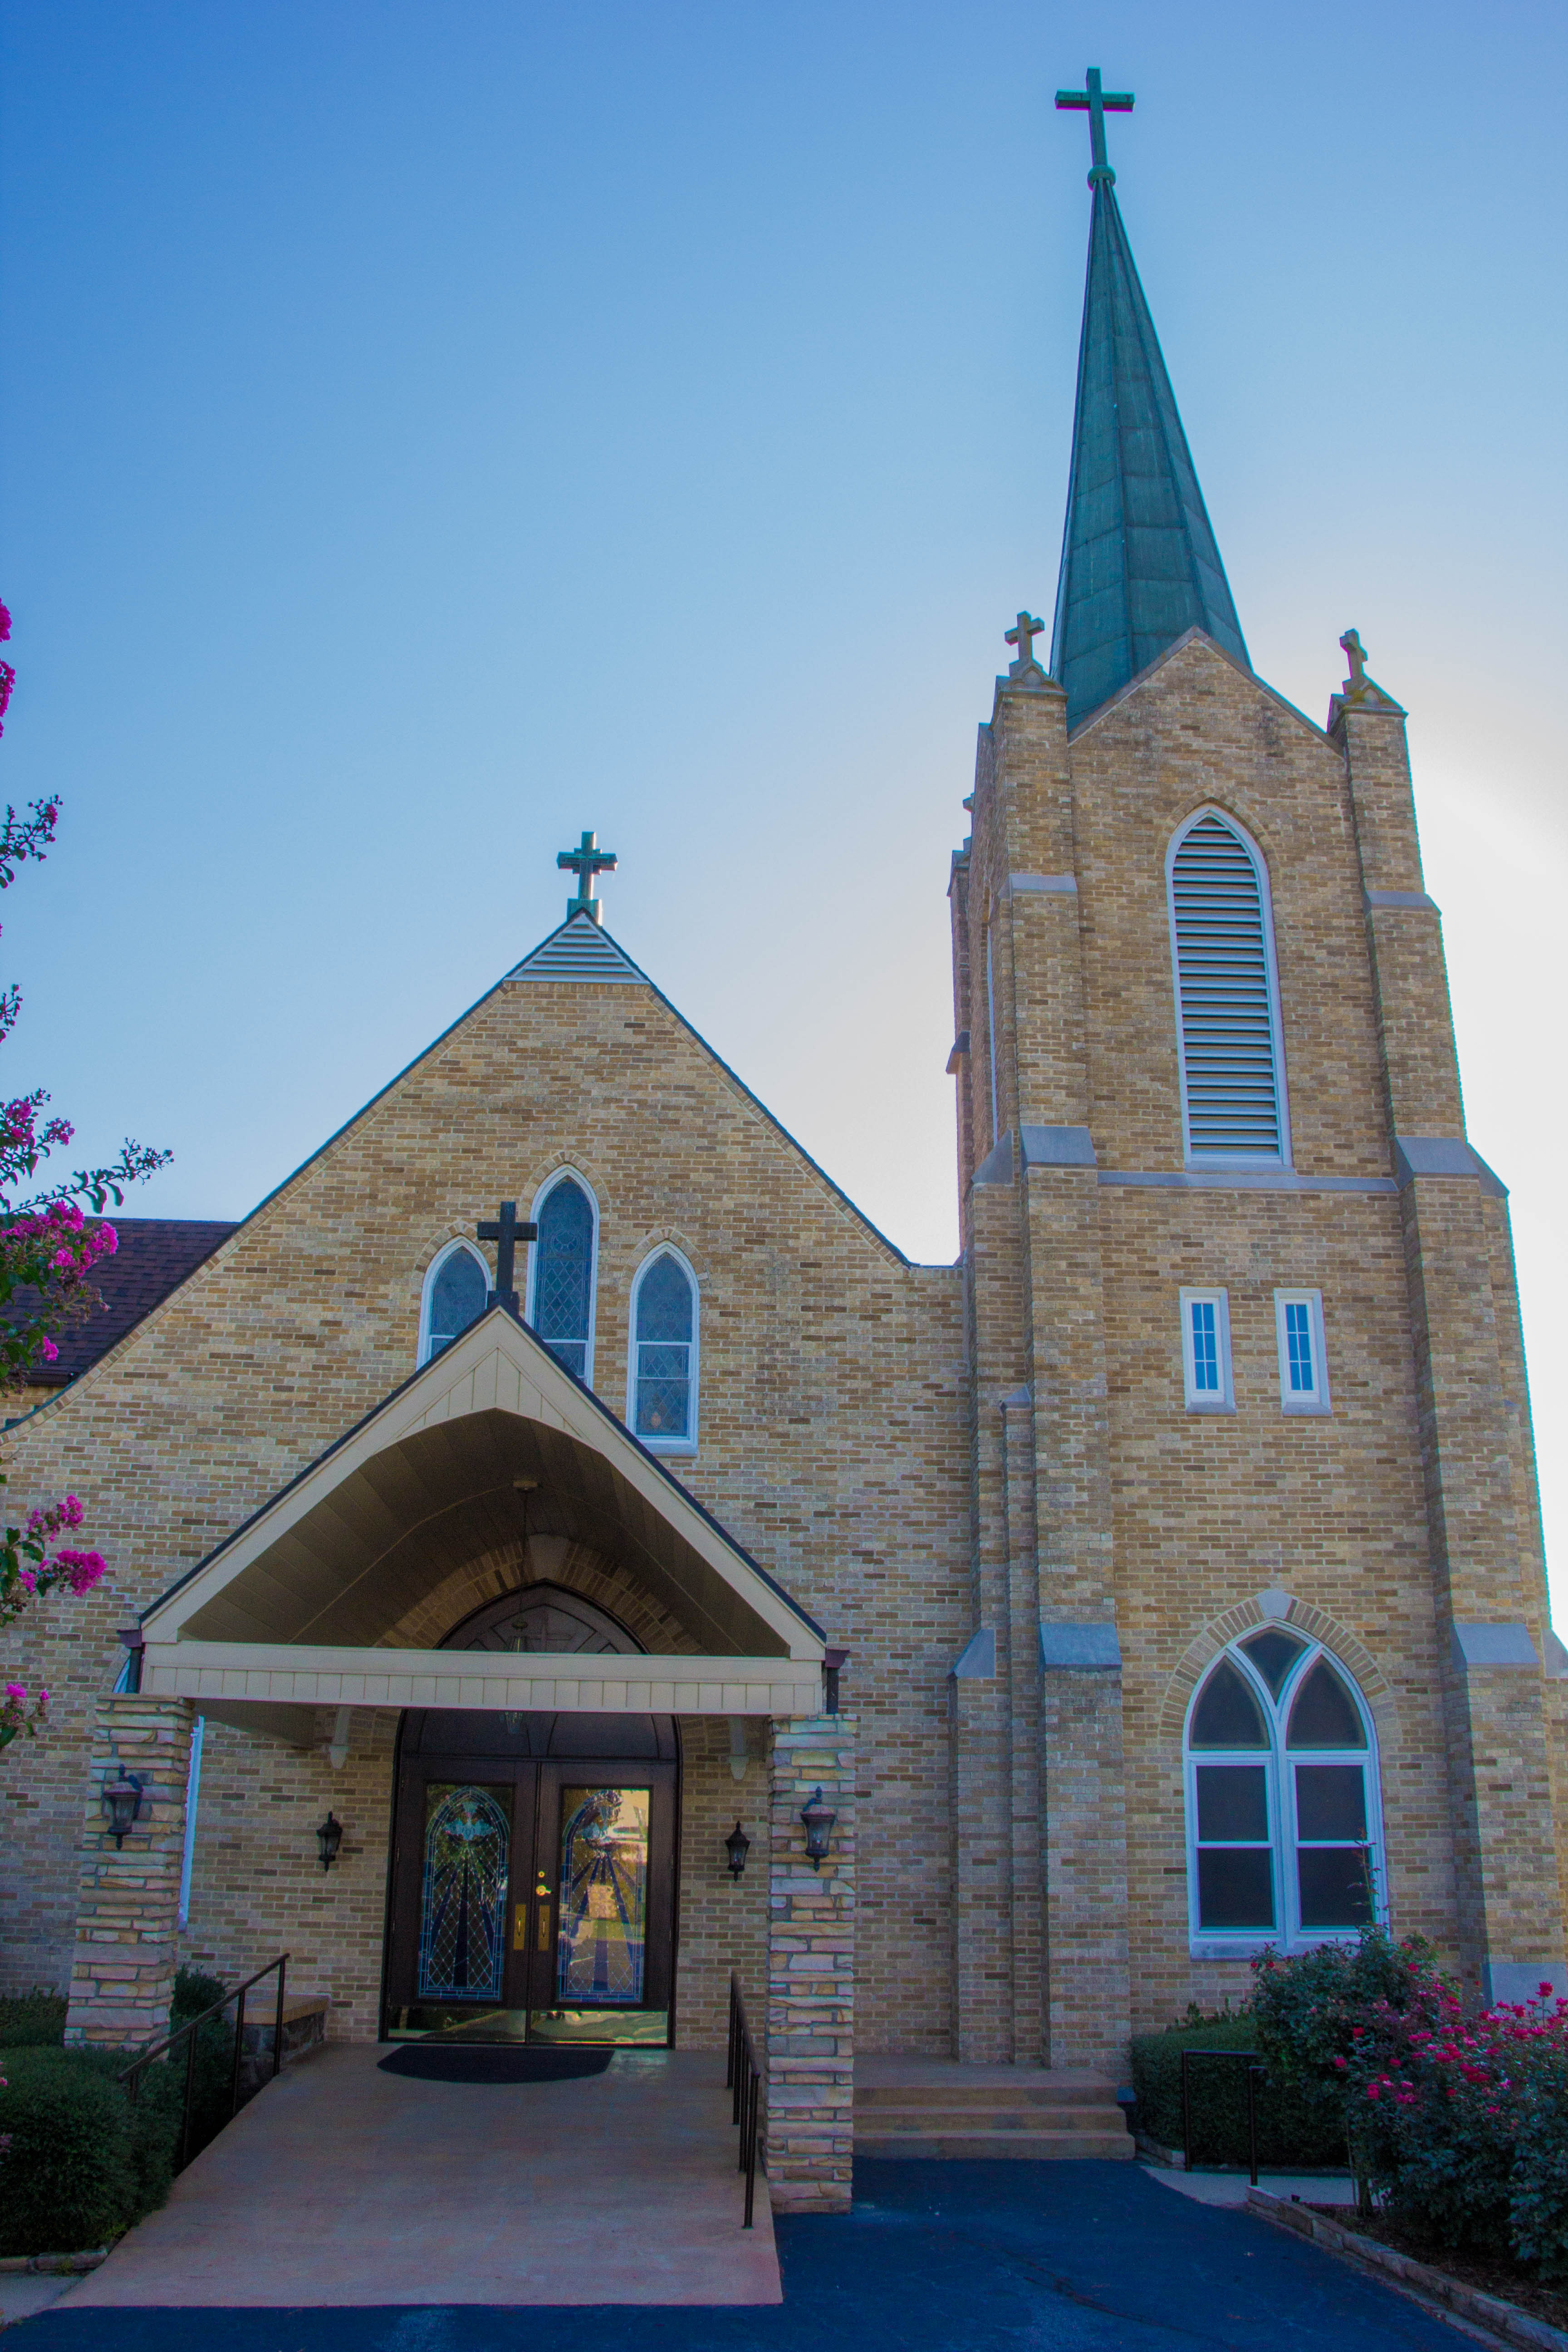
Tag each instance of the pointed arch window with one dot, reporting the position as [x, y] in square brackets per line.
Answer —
[455, 1289]
[1284, 1827]
[661, 1403]
[560, 1272]
[1228, 997]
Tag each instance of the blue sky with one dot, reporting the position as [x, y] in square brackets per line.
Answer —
[432, 431]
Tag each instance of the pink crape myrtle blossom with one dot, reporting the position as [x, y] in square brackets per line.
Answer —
[16, 1716]
[50, 1245]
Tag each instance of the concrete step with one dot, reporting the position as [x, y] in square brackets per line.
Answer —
[976, 2099]
[937, 2107]
[917, 2115]
[1114, 2143]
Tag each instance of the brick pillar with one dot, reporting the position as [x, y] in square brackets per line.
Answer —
[1488, 1572]
[809, 2068]
[122, 1977]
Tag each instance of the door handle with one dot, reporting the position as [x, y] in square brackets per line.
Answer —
[544, 1901]
[520, 1927]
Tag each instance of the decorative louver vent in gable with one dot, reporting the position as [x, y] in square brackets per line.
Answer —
[578, 950]
[1225, 1009]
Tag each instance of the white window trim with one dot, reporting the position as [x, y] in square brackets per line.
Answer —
[1289, 1935]
[1276, 1028]
[427, 1293]
[559, 1176]
[1296, 1401]
[1205, 1400]
[665, 1445]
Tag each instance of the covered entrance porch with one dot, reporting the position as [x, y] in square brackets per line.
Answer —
[548, 1682]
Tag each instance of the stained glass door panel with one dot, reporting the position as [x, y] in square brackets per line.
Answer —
[464, 1874]
[602, 1947]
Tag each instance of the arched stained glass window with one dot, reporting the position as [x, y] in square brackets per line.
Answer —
[455, 1293]
[562, 1310]
[1227, 1011]
[664, 1352]
[1283, 1826]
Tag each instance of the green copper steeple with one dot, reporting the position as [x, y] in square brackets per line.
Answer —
[1139, 566]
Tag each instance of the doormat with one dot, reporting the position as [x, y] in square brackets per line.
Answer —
[479, 2061]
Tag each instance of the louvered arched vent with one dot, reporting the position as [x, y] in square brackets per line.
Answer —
[1225, 995]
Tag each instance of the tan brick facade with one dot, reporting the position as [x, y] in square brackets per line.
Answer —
[990, 1462]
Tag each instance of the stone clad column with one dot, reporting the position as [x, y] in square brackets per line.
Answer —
[128, 1901]
[809, 2068]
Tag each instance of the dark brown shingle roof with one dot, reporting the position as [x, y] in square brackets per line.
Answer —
[154, 1257]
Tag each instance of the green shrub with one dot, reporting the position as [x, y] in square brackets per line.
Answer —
[66, 2175]
[27, 2019]
[1288, 2131]
[192, 1993]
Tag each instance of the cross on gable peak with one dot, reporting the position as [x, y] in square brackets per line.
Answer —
[586, 861]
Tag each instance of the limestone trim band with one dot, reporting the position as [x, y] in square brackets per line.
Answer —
[533, 1681]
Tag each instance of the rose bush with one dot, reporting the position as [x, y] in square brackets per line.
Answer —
[1459, 2120]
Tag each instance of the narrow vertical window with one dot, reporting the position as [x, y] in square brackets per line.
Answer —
[1205, 1350]
[561, 1296]
[1304, 1371]
[455, 1289]
[664, 1354]
[1227, 1009]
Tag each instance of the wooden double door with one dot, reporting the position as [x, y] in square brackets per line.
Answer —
[532, 1895]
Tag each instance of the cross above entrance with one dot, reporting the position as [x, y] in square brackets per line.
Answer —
[506, 1233]
[1096, 103]
[1356, 684]
[1024, 636]
[585, 861]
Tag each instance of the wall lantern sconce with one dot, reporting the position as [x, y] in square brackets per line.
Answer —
[737, 1845]
[818, 1830]
[329, 1837]
[122, 1803]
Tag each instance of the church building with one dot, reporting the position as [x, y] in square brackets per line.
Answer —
[563, 1557]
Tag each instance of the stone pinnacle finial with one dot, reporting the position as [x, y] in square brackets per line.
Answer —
[1360, 692]
[1027, 670]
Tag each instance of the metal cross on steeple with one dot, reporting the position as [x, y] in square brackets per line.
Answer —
[586, 861]
[506, 1233]
[1024, 636]
[1096, 103]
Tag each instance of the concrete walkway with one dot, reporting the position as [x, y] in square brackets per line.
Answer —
[342, 2185]
[1230, 2187]
[996, 2257]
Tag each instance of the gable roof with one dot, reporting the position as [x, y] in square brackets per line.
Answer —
[154, 1257]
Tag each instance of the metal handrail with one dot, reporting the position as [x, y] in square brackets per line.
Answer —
[744, 2078]
[1254, 2076]
[131, 2077]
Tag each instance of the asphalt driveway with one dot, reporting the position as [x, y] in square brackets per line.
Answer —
[993, 2257]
